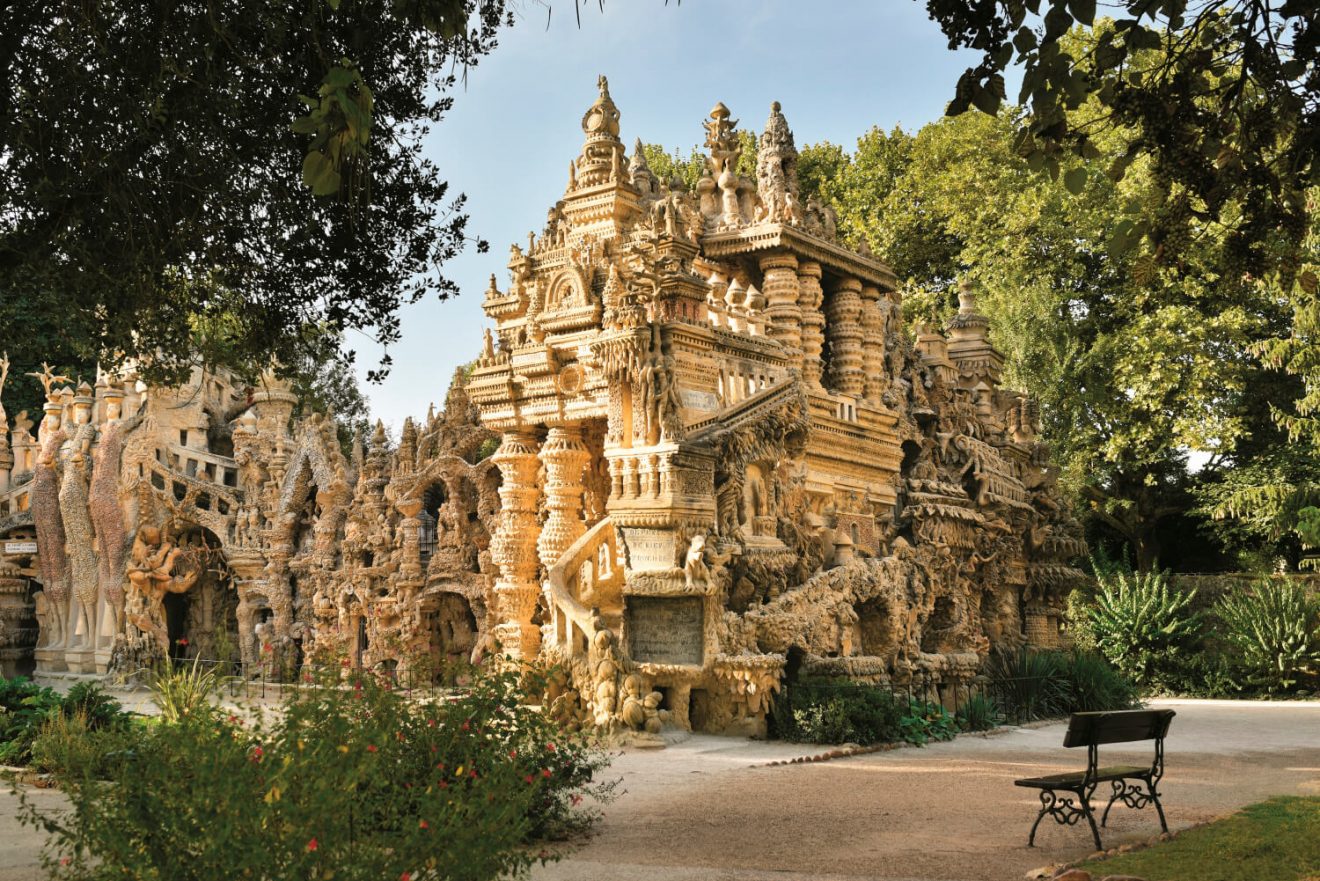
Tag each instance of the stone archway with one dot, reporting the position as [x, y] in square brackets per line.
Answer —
[452, 633]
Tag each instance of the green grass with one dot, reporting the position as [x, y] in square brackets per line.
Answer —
[1277, 840]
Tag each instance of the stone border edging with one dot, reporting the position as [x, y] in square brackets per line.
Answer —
[846, 751]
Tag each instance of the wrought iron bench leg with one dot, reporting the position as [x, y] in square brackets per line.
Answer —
[1090, 818]
[1159, 808]
[1047, 800]
[1118, 786]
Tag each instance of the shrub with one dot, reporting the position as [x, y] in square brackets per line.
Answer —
[96, 708]
[979, 713]
[1141, 626]
[1276, 631]
[1093, 685]
[835, 711]
[1028, 685]
[72, 742]
[925, 721]
[24, 706]
[352, 782]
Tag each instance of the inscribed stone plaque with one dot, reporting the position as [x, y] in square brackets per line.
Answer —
[694, 399]
[20, 547]
[649, 549]
[665, 630]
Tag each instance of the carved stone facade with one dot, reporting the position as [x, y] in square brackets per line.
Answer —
[698, 438]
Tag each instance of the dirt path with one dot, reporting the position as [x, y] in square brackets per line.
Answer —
[948, 812]
[708, 809]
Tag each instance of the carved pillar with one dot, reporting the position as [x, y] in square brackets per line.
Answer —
[781, 295]
[873, 345]
[513, 547]
[813, 322]
[844, 330]
[564, 455]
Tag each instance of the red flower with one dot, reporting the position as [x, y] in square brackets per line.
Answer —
[312, 844]
[527, 778]
[405, 877]
[575, 799]
[371, 747]
[466, 726]
[257, 753]
[550, 746]
[182, 641]
[267, 647]
[444, 784]
[430, 723]
[545, 772]
[64, 861]
[473, 773]
[232, 719]
[422, 824]
[513, 754]
[344, 663]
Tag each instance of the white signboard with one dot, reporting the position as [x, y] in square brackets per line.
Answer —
[17, 548]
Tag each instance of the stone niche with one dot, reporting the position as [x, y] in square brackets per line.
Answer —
[665, 630]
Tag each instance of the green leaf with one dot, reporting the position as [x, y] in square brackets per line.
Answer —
[1082, 10]
[985, 100]
[1075, 179]
[319, 174]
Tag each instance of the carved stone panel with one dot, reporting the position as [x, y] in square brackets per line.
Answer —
[665, 630]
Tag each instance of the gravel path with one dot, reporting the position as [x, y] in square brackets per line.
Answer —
[948, 812]
[711, 809]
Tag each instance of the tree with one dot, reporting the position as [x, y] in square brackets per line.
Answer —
[1221, 96]
[1134, 363]
[159, 169]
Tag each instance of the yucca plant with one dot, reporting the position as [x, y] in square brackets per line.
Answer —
[1028, 685]
[1142, 626]
[183, 692]
[1276, 629]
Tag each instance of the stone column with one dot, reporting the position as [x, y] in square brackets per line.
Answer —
[564, 455]
[780, 287]
[844, 311]
[873, 345]
[813, 322]
[513, 547]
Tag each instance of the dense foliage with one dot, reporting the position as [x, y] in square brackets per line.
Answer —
[1275, 629]
[162, 166]
[1142, 625]
[350, 780]
[27, 710]
[1222, 96]
[1028, 684]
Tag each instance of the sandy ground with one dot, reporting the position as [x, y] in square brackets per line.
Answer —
[710, 809]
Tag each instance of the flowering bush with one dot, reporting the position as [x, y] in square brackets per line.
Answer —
[350, 780]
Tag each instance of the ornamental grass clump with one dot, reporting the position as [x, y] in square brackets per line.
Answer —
[1275, 630]
[348, 780]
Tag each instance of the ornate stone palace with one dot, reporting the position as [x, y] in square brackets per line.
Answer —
[714, 444]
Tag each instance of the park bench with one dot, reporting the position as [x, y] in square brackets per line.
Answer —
[1091, 730]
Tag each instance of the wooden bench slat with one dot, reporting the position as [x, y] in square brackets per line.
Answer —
[1114, 772]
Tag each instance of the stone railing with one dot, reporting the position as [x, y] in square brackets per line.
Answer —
[639, 473]
[587, 577]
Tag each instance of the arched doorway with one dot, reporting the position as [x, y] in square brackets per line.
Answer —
[452, 635]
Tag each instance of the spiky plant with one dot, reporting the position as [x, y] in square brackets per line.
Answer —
[1276, 629]
[185, 691]
[1142, 626]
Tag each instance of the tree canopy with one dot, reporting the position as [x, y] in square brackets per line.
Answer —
[165, 163]
[1221, 96]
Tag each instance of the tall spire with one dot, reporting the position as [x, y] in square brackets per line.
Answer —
[776, 169]
[639, 171]
[602, 152]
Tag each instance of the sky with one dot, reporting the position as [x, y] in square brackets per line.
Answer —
[838, 67]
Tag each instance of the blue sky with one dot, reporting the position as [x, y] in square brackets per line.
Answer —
[838, 68]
